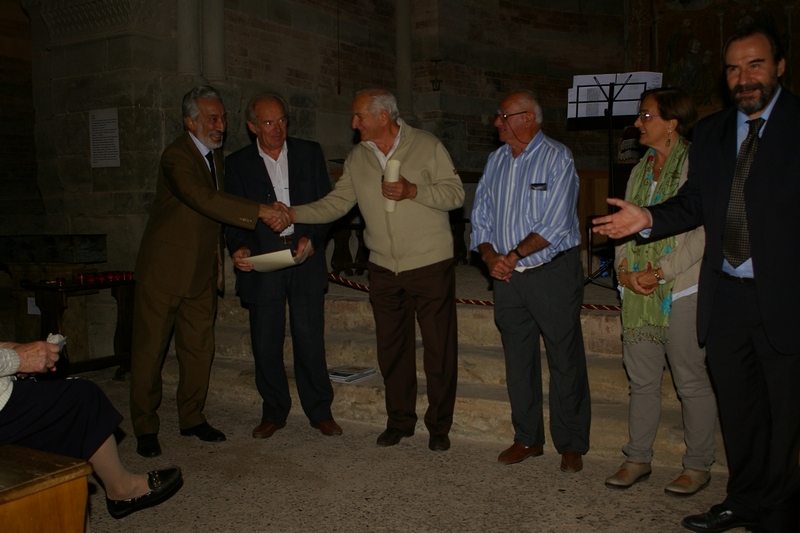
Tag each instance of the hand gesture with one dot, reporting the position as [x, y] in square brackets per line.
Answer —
[37, 357]
[399, 190]
[239, 259]
[628, 220]
[277, 216]
[301, 245]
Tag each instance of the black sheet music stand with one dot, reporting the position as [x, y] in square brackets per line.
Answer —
[608, 121]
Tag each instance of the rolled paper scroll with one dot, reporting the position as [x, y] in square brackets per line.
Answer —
[391, 174]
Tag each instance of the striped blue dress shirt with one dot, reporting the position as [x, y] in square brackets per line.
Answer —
[536, 192]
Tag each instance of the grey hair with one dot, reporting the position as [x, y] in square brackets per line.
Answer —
[381, 100]
[530, 100]
[189, 106]
[250, 111]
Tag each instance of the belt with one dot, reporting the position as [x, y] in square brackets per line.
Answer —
[286, 239]
[559, 254]
[743, 281]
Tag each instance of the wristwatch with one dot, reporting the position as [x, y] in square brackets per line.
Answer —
[515, 251]
[661, 280]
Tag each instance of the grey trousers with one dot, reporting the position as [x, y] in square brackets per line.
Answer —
[645, 362]
[546, 301]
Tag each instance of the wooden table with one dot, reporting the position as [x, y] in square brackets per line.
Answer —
[42, 492]
[53, 298]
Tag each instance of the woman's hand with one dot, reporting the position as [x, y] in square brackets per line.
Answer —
[36, 357]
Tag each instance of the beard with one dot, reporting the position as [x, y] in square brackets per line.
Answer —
[207, 141]
[751, 105]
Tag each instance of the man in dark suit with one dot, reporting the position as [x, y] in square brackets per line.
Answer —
[291, 171]
[746, 301]
[177, 271]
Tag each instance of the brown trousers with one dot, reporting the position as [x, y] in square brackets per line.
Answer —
[155, 313]
[429, 293]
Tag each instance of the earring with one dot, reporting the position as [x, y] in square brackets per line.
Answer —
[669, 135]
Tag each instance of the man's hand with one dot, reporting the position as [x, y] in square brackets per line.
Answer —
[277, 216]
[500, 266]
[35, 357]
[399, 190]
[301, 245]
[628, 220]
[239, 259]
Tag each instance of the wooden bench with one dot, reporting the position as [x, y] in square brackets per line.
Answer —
[42, 492]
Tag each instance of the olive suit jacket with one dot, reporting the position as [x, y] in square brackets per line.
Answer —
[178, 254]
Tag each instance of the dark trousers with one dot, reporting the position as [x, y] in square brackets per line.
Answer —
[267, 332]
[155, 313]
[429, 293]
[546, 301]
[758, 392]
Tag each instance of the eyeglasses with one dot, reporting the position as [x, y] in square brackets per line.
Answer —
[644, 117]
[281, 121]
[504, 116]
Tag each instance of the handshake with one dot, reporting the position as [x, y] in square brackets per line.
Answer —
[277, 216]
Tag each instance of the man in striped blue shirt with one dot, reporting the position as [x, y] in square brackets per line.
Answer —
[525, 226]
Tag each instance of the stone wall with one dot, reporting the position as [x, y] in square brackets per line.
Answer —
[123, 54]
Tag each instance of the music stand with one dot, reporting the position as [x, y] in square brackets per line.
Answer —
[609, 121]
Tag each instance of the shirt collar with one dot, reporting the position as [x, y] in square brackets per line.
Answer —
[394, 144]
[536, 141]
[200, 146]
[264, 154]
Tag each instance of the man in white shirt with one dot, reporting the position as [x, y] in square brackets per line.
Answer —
[291, 171]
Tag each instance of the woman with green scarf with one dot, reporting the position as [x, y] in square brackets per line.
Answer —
[658, 286]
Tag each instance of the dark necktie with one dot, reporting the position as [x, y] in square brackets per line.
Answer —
[736, 240]
[220, 244]
[210, 157]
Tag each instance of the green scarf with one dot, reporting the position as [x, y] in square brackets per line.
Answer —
[646, 318]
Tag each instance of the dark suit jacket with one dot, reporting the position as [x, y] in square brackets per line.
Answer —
[178, 253]
[247, 177]
[772, 193]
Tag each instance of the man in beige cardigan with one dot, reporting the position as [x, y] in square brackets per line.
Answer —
[411, 267]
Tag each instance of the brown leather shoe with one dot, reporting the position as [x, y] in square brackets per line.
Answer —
[517, 452]
[328, 427]
[266, 429]
[571, 462]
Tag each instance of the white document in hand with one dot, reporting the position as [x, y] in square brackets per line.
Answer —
[278, 260]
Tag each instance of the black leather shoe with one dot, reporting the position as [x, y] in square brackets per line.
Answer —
[439, 443]
[392, 436]
[163, 484]
[718, 519]
[204, 432]
[147, 445]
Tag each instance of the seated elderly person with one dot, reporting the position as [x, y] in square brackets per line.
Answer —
[72, 417]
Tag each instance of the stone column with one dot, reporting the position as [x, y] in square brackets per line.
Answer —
[188, 14]
[214, 40]
[403, 72]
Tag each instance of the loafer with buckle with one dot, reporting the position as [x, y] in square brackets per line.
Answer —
[689, 482]
[147, 445]
[717, 520]
[628, 474]
[163, 484]
[439, 443]
[266, 429]
[392, 436]
[204, 432]
[517, 452]
[327, 427]
[571, 462]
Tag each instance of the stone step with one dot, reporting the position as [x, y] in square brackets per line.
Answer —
[476, 364]
[482, 410]
[351, 312]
